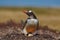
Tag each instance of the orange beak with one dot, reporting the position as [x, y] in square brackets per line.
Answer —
[25, 11]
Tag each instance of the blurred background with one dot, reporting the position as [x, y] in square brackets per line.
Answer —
[47, 11]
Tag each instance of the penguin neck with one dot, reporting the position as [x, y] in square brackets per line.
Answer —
[32, 17]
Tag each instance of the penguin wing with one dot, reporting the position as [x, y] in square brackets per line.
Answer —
[25, 24]
[38, 25]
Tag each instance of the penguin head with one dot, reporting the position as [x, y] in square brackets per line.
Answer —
[28, 12]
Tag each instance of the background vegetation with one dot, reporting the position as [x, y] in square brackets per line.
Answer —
[46, 15]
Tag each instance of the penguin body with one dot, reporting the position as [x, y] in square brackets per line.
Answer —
[31, 25]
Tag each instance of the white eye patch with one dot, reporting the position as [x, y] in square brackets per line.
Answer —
[30, 11]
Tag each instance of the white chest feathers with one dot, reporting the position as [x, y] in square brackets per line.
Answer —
[32, 21]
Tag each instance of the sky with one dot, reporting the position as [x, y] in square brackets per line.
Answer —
[30, 3]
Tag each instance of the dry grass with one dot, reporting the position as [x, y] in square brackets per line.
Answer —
[15, 16]
[52, 21]
[46, 16]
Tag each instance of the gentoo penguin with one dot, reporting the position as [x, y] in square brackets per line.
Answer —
[31, 24]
